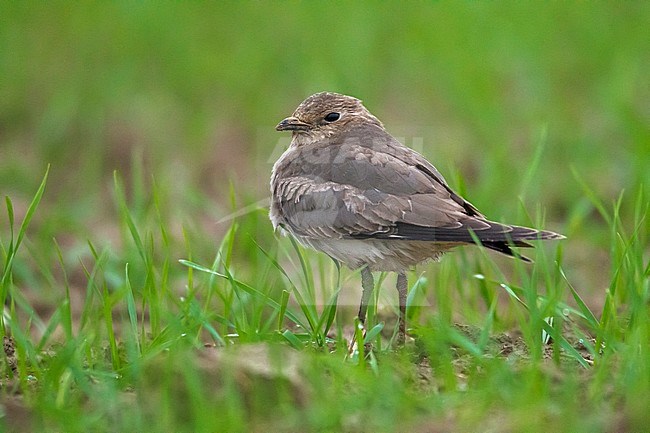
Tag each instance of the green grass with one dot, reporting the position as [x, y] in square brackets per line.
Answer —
[132, 303]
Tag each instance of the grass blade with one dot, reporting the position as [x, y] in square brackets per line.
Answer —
[250, 290]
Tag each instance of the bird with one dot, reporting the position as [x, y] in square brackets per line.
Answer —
[349, 189]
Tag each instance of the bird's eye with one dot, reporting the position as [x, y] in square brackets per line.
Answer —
[332, 117]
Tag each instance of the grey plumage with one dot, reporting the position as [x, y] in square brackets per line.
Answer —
[348, 188]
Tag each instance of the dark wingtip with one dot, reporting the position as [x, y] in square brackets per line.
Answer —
[504, 248]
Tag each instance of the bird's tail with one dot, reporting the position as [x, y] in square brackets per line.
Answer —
[515, 237]
[492, 235]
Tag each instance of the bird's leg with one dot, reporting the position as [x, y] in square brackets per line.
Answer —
[402, 288]
[367, 285]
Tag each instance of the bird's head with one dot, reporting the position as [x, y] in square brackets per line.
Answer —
[325, 115]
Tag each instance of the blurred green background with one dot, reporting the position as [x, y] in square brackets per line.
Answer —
[536, 112]
[185, 95]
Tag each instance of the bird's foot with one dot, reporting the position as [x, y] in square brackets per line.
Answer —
[359, 335]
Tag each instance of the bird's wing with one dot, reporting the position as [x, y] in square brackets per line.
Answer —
[328, 209]
[371, 186]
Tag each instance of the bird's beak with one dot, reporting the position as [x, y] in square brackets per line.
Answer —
[292, 124]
